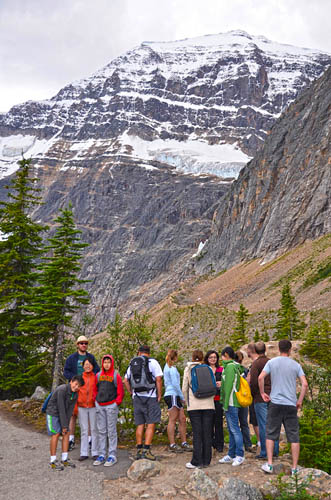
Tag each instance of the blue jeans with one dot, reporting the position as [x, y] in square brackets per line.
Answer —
[236, 444]
[261, 411]
[243, 421]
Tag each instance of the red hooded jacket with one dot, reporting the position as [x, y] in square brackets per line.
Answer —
[107, 392]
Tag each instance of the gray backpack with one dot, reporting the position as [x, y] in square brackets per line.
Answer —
[141, 378]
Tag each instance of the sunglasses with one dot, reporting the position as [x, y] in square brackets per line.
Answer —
[83, 343]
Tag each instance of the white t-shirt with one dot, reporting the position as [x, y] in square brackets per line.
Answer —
[155, 370]
[283, 372]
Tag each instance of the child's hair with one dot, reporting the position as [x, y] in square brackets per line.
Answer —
[238, 356]
[229, 351]
[171, 357]
[197, 355]
[217, 357]
[79, 379]
[86, 359]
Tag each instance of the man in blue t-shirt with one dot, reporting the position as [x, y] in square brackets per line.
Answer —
[283, 403]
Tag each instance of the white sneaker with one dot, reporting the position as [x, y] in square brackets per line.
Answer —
[238, 461]
[267, 468]
[226, 460]
[190, 466]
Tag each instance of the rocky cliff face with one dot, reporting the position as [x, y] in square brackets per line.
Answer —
[283, 196]
[123, 146]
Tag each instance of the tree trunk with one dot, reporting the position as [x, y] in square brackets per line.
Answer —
[58, 358]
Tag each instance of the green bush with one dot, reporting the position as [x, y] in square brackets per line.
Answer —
[291, 489]
[315, 440]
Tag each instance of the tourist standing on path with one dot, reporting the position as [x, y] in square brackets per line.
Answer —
[58, 413]
[109, 396]
[143, 380]
[201, 413]
[212, 359]
[174, 399]
[251, 353]
[87, 412]
[230, 385]
[261, 407]
[283, 404]
[243, 411]
[74, 366]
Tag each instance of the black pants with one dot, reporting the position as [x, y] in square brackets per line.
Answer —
[217, 430]
[202, 425]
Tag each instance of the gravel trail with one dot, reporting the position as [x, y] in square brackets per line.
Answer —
[25, 474]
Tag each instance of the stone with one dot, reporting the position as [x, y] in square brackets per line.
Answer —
[143, 469]
[201, 486]
[40, 393]
[235, 489]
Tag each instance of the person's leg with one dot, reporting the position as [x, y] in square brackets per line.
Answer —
[65, 443]
[295, 449]
[53, 444]
[261, 411]
[182, 425]
[274, 422]
[112, 414]
[173, 415]
[102, 430]
[196, 422]
[140, 434]
[243, 420]
[291, 424]
[270, 449]
[94, 432]
[207, 425]
[217, 431]
[253, 422]
[72, 428]
[149, 434]
[83, 423]
[236, 448]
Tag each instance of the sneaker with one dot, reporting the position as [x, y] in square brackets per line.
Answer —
[148, 454]
[82, 458]
[186, 447]
[56, 465]
[238, 461]
[99, 461]
[175, 448]
[110, 461]
[71, 445]
[68, 463]
[261, 457]
[294, 472]
[267, 468]
[190, 466]
[139, 454]
[226, 460]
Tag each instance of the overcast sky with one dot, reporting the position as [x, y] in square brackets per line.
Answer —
[45, 44]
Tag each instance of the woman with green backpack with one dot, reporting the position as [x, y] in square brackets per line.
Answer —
[230, 385]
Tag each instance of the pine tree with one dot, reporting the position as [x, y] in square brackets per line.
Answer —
[20, 247]
[239, 336]
[256, 336]
[58, 295]
[289, 326]
[317, 343]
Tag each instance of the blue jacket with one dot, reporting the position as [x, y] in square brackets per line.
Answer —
[70, 366]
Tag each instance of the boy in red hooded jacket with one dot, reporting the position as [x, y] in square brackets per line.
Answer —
[110, 394]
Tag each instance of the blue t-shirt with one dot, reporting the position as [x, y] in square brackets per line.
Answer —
[172, 382]
[284, 372]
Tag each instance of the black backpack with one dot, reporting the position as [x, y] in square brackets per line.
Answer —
[141, 378]
[203, 381]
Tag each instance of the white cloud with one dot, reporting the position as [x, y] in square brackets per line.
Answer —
[45, 44]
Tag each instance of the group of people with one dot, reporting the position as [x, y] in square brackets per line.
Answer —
[209, 391]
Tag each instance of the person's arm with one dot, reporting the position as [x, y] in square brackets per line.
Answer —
[261, 378]
[96, 367]
[64, 420]
[304, 387]
[120, 390]
[185, 385]
[177, 385]
[68, 368]
[158, 381]
[127, 385]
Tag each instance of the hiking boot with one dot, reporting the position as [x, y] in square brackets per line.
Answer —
[238, 461]
[82, 458]
[148, 454]
[250, 449]
[68, 463]
[110, 461]
[267, 468]
[186, 447]
[226, 460]
[139, 455]
[56, 465]
[99, 461]
[175, 448]
[71, 445]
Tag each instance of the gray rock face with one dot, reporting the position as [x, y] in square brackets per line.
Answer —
[282, 197]
[234, 488]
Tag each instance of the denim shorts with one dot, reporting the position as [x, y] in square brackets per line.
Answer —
[286, 415]
[53, 425]
[146, 410]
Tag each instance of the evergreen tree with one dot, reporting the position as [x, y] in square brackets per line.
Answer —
[20, 247]
[289, 326]
[239, 336]
[256, 336]
[317, 343]
[58, 295]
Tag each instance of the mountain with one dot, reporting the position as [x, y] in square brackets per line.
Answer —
[133, 148]
[283, 197]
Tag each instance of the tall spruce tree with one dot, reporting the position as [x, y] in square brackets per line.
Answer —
[58, 295]
[239, 336]
[289, 325]
[20, 248]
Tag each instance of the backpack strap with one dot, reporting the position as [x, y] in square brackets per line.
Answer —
[115, 377]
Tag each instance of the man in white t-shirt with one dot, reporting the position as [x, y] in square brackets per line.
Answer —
[146, 404]
[283, 403]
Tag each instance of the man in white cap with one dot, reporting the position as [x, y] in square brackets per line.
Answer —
[74, 366]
